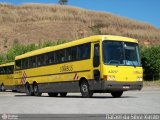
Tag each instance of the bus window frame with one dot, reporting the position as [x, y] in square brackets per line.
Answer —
[77, 59]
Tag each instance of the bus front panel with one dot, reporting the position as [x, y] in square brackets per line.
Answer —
[121, 65]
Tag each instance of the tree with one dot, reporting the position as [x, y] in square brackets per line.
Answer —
[151, 62]
[63, 2]
[2, 58]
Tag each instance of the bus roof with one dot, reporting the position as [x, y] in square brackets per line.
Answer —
[7, 64]
[75, 42]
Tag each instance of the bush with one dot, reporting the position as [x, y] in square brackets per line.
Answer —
[151, 62]
[2, 58]
[19, 49]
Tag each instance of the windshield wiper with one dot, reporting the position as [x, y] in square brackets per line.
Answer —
[133, 64]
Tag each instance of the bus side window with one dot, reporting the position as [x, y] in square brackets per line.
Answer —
[32, 62]
[74, 53]
[57, 57]
[41, 60]
[25, 63]
[87, 51]
[12, 69]
[1, 70]
[9, 69]
[62, 55]
[49, 58]
[18, 64]
[80, 51]
[84, 51]
[68, 54]
[5, 70]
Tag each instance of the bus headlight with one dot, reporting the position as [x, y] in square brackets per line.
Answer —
[111, 77]
[139, 78]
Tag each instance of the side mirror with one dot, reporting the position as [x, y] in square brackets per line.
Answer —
[96, 61]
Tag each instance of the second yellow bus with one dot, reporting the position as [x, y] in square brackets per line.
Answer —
[6, 76]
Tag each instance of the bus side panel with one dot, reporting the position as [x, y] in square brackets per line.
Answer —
[61, 77]
[7, 80]
[59, 87]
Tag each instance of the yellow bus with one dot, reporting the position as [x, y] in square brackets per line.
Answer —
[96, 64]
[6, 76]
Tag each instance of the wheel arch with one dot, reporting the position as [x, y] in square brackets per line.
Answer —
[26, 83]
[34, 82]
[82, 79]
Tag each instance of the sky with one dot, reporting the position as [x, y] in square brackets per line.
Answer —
[147, 11]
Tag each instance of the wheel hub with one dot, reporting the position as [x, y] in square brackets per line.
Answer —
[85, 88]
[35, 89]
[2, 87]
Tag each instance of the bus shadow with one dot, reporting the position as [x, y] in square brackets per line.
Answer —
[8, 91]
[72, 96]
[22, 96]
[99, 97]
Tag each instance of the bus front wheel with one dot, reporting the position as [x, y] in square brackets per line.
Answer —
[36, 90]
[116, 94]
[85, 90]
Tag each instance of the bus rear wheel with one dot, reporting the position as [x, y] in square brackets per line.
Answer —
[36, 90]
[51, 94]
[63, 94]
[28, 90]
[2, 88]
[117, 94]
[85, 90]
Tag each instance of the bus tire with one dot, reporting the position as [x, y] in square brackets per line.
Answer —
[14, 90]
[85, 90]
[117, 94]
[2, 87]
[63, 94]
[52, 94]
[28, 90]
[36, 90]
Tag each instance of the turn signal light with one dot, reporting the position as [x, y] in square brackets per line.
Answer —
[139, 79]
[109, 77]
[104, 77]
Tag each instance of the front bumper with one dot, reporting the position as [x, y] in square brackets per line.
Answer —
[122, 86]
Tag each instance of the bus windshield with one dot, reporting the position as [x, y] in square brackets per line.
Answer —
[121, 53]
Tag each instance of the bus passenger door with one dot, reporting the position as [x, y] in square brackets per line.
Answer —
[96, 66]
